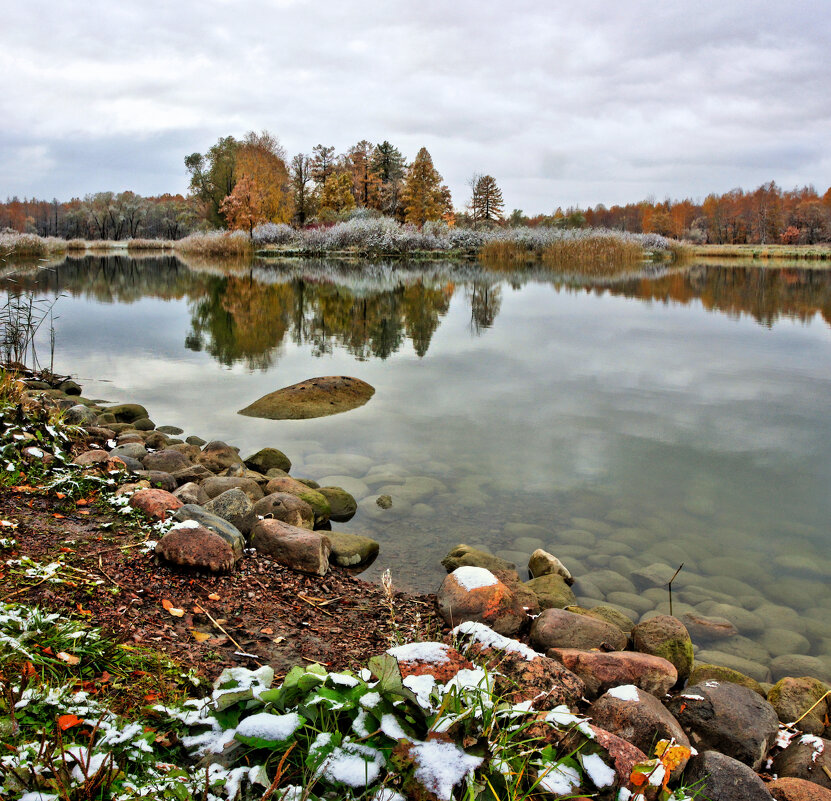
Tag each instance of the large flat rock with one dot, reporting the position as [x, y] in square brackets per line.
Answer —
[315, 397]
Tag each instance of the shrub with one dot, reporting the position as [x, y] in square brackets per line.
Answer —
[273, 234]
[149, 244]
[216, 243]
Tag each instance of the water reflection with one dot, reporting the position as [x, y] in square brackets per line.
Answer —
[244, 313]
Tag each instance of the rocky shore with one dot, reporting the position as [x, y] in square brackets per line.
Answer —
[725, 734]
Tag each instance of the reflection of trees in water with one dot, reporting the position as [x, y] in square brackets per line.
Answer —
[244, 313]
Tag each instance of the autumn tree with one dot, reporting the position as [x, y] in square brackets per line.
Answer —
[262, 160]
[390, 166]
[301, 177]
[424, 197]
[323, 164]
[486, 201]
[212, 176]
[246, 206]
[365, 181]
[336, 196]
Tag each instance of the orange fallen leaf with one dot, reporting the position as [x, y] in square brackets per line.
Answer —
[58, 517]
[213, 597]
[60, 495]
[82, 610]
[66, 550]
[81, 502]
[267, 630]
[83, 511]
[167, 604]
[68, 721]
[200, 636]
[70, 659]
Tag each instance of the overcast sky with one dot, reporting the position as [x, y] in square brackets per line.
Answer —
[596, 101]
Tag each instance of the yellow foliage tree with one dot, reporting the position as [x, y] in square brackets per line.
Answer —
[336, 195]
[245, 207]
[261, 159]
[424, 196]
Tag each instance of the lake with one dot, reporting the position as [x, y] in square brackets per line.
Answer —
[677, 416]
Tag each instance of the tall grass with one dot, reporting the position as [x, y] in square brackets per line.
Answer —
[216, 243]
[593, 254]
[149, 244]
[29, 245]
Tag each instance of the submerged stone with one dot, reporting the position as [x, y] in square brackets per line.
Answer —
[316, 397]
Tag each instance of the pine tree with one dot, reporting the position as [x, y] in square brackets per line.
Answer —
[424, 197]
[487, 203]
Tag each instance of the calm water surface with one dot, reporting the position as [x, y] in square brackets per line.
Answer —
[627, 428]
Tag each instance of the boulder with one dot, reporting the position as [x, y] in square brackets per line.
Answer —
[315, 397]
[234, 506]
[135, 450]
[167, 461]
[155, 440]
[797, 665]
[720, 778]
[268, 458]
[191, 493]
[790, 789]
[144, 424]
[705, 672]
[435, 659]
[728, 718]
[666, 637]
[286, 507]
[127, 412]
[552, 591]
[216, 485]
[69, 387]
[174, 430]
[155, 503]
[792, 698]
[296, 548]
[341, 504]
[195, 473]
[158, 479]
[707, 629]
[319, 504]
[474, 593]
[196, 547]
[807, 757]
[80, 415]
[465, 556]
[543, 563]
[99, 433]
[624, 755]
[93, 457]
[194, 440]
[217, 456]
[352, 550]
[602, 671]
[610, 615]
[556, 628]
[638, 717]
[228, 531]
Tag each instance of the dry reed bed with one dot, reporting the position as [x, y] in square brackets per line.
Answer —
[216, 243]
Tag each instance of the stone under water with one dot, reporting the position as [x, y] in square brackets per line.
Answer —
[315, 397]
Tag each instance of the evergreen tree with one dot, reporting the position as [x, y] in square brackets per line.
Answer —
[424, 197]
[487, 203]
[323, 163]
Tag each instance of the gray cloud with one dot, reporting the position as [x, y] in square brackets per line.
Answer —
[579, 103]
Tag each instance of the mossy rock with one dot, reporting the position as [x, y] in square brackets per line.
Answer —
[309, 482]
[466, 556]
[268, 458]
[793, 697]
[316, 397]
[613, 616]
[551, 591]
[105, 418]
[352, 550]
[144, 424]
[128, 412]
[342, 504]
[175, 430]
[667, 637]
[704, 671]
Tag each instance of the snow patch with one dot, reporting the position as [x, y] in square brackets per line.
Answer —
[488, 638]
[185, 524]
[434, 653]
[598, 771]
[441, 765]
[392, 728]
[422, 686]
[353, 764]
[814, 742]
[266, 726]
[625, 692]
[560, 780]
[474, 578]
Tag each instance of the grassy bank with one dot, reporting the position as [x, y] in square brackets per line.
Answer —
[789, 252]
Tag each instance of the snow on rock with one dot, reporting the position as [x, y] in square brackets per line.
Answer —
[266, 726]
[815, 743]
[598, 771]
[473, 578]
[185, 524]
[429, 652]
[560, 780]
[422, 686]
[626, 692]
[441, 765]
[488, 638]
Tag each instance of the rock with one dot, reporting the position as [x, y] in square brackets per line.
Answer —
[92, 457]
[552, 591]
[196, 547]
[144, 424]
[217, 456]
[275, 472]
[341, 504]
[602, 671]
[728, 718]
[624, 754]
[267, 459]
[791, 698]
[191, 493]
[705, 628]
[194, 440]
[69, 388]
[135, 450]
[638, 717]
[720, 778]
[80, 416]
[218, 484]
[474, 593]
[611, 615]
[320, 506]
[556, 628]
[127, 412]
[315, 397]
[668, 638]
[100, 434]
[352, 550]
[174, 430]
[297, 548]
[748, 667]
[465, 556]
[234, 506]
[158, 479]
[194, 473]
[797, 665]
[435, 659]
[228, 531]
[286, 507]
[353, 486]
[705, 672]
[155, 440]
[543, 563]
[155, 503]
[383, 501]
[790, 789]
[805, 758]
[167, 461]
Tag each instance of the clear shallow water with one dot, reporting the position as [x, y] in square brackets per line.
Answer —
[676, 418]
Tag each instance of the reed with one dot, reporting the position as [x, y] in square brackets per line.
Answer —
[75, 245]
[22, 245]
[504, 251]
[216, 243]
[594, 255]
[149, 244]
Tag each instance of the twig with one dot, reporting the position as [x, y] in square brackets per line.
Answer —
[827, 772]
[811, 709]
[316, 606]
[107, 575]
[216, 623]
[669, 586]
[116, 548]
[26, 589]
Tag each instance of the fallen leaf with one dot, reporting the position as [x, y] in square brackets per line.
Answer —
[213, 597]
[278, 640]
[267, 630]
[176, 612]
[81, 502]
[58, 517]
[60, 495]
[82, 610]
[167, 604]
[83, 511]
[70, 659]
[200, 636]
[66, 550]
[68, 721]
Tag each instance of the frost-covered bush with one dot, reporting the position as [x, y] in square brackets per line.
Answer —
[273, 234]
